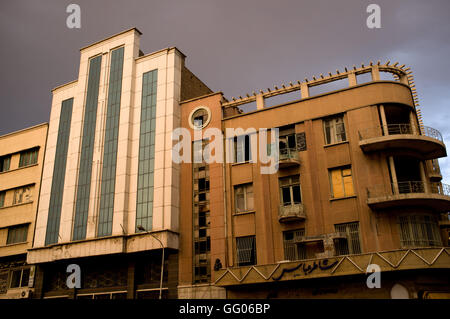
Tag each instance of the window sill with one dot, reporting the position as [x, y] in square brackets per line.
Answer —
[339, 198]
[334, 144]
[244, 213]
[15, 244]
[19, 168]
[241, 163]
[15, 205]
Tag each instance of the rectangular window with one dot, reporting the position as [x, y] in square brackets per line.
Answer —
[2, 198]
[28, 157]
[334, 130]
[290, 193]
[243, 195]
[246, 250]
[419, 231]
[105, 218]
[22, 195]
[341, 181]
[242, 149]
[5, 162]
[351, 244]
[19, 278]
[146, 164]
[294, 249]
[87, 150]
[17, 234]
[59, 172]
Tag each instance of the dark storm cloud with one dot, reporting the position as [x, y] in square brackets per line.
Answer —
[233, 46]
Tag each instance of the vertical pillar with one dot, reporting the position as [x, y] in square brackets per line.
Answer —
[375, 73]
[131, 286]
[393, 174]
[423, 176]
[413, 124]
[304, 90]
[259, 101]
[38, 282]
[383, 120]
[352, 79]
[172, 273]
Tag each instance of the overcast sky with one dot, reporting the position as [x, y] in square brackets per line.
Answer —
[233, 46]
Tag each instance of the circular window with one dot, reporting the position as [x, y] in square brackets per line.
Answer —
[199, 117]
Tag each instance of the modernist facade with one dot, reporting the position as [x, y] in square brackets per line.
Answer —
[358, 183]
[109, 199]
[21, 162]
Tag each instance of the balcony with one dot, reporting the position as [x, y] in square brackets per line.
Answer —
[291, 213]
[434, 171]
[288, 158]
[412, 193]
[393, 137]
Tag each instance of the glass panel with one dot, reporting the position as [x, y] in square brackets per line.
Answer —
[87, 149]
[110, 149]
[25, 277]
[15, 279]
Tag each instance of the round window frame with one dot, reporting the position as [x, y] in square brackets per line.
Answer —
[191, 117]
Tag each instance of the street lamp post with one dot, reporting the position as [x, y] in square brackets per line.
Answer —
[141, 228]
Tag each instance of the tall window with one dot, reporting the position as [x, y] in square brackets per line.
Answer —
[350, 244]
[110, 146]
[242, 149]
[59, 173]
[243, 195]
[290, 193]
[341, 182]
[5, 162]
[246, 250]
[87, 150]
[146, 166]
[2, 198]
[334, 130]
[28, 157]
[294, 249]
[419, 231]
[17, 234]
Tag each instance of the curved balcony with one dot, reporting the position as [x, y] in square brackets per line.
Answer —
[428, 144]
[418, 194]
[288, 158]
[291, 213]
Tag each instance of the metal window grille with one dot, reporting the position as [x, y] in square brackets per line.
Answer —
[246, 250]
[351, 244]
[293, 248]
[419, 231]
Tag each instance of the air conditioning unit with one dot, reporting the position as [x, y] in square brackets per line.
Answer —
[25, 294]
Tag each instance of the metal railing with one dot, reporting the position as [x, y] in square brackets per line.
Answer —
[407, 187]
[394, 129]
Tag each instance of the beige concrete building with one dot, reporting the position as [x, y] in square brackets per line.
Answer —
[110, 191]
[358, 183]
[21, 162]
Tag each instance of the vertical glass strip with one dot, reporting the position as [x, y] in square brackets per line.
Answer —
[59, 172]
[144, 202]
[87, 150]
[110, 145]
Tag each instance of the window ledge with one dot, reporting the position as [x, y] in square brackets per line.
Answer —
[15, 205]
[345, 197]
[334, 144]
[15, 244]
[244, 213]
[241, 163]
[19, 168]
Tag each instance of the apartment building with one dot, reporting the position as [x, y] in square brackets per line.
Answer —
[109, 200]
[358, 184]
[21, 162]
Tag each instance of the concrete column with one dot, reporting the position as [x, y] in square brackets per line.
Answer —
[131, 286]
[259, 101]
[413, 124]
[404, 79]
[304, 90]
[375, 73]
[383, 120]
[423, 176]
[352, 79]
[393, 174]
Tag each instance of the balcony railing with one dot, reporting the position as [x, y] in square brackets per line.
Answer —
[407, 188]
[288, 157]
[394, 129]
[291, 213]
